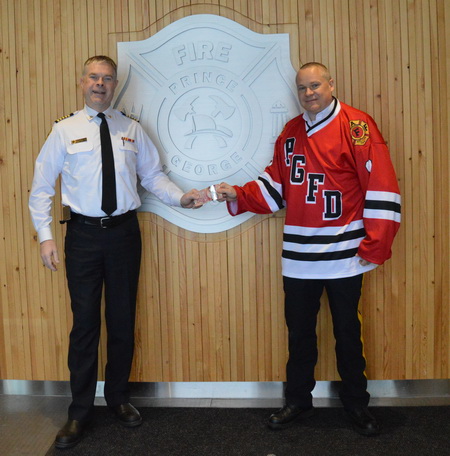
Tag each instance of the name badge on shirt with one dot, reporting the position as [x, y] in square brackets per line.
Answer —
[124, 138]
[76, 141]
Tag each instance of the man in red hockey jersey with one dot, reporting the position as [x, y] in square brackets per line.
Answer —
[332, 171]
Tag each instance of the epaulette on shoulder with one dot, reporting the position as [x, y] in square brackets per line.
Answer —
[130, 116]
[64, 117]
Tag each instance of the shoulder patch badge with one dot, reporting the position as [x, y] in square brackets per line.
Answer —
[130, 116]
[64, 117]
[359, 131]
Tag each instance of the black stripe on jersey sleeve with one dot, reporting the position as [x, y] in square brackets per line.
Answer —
[272, 192]
[326, 256]
[383, 205]
[320, 239]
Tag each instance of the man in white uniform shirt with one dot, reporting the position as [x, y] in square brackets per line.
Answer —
[101, 249]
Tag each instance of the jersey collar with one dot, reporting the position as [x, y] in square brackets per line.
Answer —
[323, 118]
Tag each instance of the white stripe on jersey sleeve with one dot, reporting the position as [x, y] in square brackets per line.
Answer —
[383, 196]
[273, 205]
[391, 201]
[384, 215]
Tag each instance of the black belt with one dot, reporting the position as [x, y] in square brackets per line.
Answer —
[102, 222]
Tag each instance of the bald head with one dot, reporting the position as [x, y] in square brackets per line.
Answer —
[314, 88]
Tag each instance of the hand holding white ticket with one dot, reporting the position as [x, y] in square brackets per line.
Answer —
[225, 192]
[208, 194]
[212, 191]
[217, 193]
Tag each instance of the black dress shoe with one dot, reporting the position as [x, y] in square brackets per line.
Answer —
[363, 421]
[288, 415]
[69, 435]
[128, 415]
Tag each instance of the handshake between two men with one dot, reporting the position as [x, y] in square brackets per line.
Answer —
[216, 193]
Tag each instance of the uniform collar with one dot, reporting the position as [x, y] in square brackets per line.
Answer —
[92, 113]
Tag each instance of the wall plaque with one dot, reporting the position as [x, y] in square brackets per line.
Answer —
[213, 96]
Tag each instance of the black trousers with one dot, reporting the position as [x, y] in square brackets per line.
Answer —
[96, 259]
[302, 303]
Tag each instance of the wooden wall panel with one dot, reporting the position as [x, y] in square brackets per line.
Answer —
[210, 306]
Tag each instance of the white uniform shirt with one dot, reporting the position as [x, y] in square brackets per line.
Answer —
[73, 150]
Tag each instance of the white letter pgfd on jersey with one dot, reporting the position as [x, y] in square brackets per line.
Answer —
[332, 199]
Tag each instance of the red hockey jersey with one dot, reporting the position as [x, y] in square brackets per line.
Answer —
[340, 191]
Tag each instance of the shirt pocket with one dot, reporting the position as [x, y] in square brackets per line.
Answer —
[127, 156]
[79, 156]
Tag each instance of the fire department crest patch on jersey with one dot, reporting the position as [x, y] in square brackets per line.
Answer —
[359, 131]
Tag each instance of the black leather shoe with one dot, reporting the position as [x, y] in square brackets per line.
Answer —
[363, 421]
[69, 435]
[288, 415]
[128, 415]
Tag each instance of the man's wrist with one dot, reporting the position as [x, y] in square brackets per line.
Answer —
[45, 234]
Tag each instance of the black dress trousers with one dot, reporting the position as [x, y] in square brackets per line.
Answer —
[95, 258]
[302, 304]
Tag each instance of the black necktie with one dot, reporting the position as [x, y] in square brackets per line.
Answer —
[109, 199]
